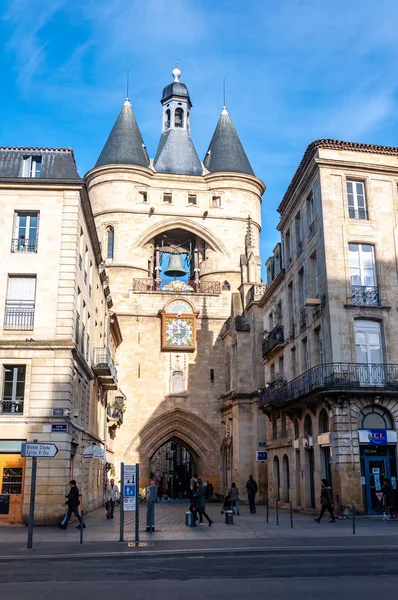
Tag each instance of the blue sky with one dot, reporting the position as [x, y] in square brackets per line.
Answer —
[296, 71]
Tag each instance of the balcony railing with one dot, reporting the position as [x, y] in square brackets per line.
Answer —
[358, 213]
[23, 245]
[104, 368]
[148, 284]
[19, 315]
[365, 295]
[274, 339]
[332, 376]
[11, 406]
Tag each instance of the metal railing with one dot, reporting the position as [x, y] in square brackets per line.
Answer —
[24, 245]
[19, 314]
[274, 338]
[148, 284]
[365, 295]
[102, 359]
[358, 213]
[331, 376]
[12, 406]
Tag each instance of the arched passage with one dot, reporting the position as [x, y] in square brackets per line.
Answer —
[172, 466]
[201, 441]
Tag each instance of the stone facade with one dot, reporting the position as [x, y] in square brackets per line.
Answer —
[328, 312]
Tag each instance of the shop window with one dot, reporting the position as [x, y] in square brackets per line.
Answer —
[375, 417]
[12, 481]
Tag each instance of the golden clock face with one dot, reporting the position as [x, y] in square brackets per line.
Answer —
[179, 333]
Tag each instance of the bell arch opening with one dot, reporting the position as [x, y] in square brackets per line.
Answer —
[172, 466]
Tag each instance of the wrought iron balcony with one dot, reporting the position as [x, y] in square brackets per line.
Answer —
[273, 341]
[19, 315]
[365, 295]
[104, 368]
[329, 377]
[148, 284]
[11, 406]
[358, 213]
[23, 245]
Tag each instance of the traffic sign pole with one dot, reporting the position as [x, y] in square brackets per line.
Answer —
[32, 501]
[121, 539]
[137, 503]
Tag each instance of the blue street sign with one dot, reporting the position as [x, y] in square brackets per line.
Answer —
[261, 456]
[59, 427]
[129, 491]
[262, 444]
[378, 437]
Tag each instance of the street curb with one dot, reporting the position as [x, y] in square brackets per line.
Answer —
[136, 552]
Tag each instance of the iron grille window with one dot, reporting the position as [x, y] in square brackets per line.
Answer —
[25, 232]
[13, 389]
[20, 304]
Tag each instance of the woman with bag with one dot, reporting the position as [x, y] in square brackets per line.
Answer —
[326, 501]
[234, 497]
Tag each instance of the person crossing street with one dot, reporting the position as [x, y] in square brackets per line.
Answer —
[112, 494]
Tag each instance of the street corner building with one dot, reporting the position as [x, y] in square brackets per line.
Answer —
[135, 319]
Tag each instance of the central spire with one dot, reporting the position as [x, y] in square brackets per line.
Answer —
[176, 152]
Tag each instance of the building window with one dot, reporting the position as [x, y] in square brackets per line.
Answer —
[319, 345]
[167, 198]
[306, 354]
[315, 275]
[13, 389]
[283, 425]
[363, 275]
[296, 429]
[299, 235]
[356, 200]
[111, 242]
[274, 427]
[215, 202]
[25, 232]
[179, 117]
[368, 342]
[288, 248]
[20, 303]
[88, 349]
[77, 328]
[32, 166]
[144, 196]
[226, 286]
[323, 421]
[12, 481]
[177, 382]
[311, 214]
[192, 199]
[82, 340]
[167, 116]
[375, 417]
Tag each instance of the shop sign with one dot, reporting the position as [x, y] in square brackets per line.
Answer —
[261, 456]
[94, 451]
[378, 437]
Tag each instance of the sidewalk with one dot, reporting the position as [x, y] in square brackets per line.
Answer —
[248, 531]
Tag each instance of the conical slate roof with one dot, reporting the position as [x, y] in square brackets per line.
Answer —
[226, 153]
[176, 154]
[124, 145]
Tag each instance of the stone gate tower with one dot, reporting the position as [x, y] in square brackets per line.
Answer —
[206, 218]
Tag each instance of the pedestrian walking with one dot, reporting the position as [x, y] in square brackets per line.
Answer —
[211, 490]
[234, 498]
[388, 498]
[251, 488]
[112, 494]
[151, 497]
[192, 496]
[200, 503]
[72, 503]
[326, 502]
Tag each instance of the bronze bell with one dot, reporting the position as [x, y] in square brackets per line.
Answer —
[174, 268]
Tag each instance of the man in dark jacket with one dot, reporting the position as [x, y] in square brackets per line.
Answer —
[72, 503]
[252, 488]
[200, 503]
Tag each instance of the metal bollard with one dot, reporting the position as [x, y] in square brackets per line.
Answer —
[267, 509]
[277, 510]
[353, 519]
[291, 513]
[229, 517]
[81, 527]
[189, 519]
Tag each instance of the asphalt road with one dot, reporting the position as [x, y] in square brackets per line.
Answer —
[342, 574]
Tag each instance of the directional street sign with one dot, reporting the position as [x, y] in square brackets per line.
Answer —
[129, 488]
[38, 450]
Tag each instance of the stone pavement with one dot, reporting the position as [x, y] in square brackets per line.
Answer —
[248, 530]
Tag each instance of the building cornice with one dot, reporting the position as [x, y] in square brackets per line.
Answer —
[223, 177]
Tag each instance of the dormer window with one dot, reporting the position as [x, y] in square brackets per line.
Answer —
[31, 166]
[144, 196]
[178, 117]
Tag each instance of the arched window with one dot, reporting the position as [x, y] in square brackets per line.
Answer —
[167, 116]
[277, 479]
[110, 242]
[307, 425]
[286, 479]
[375, 417]
[178, 117]
[274, 427]
[296, 429]
[226, 287]
[324, 421]
[177, 382]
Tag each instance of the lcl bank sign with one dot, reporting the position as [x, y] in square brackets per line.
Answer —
[377, 437]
